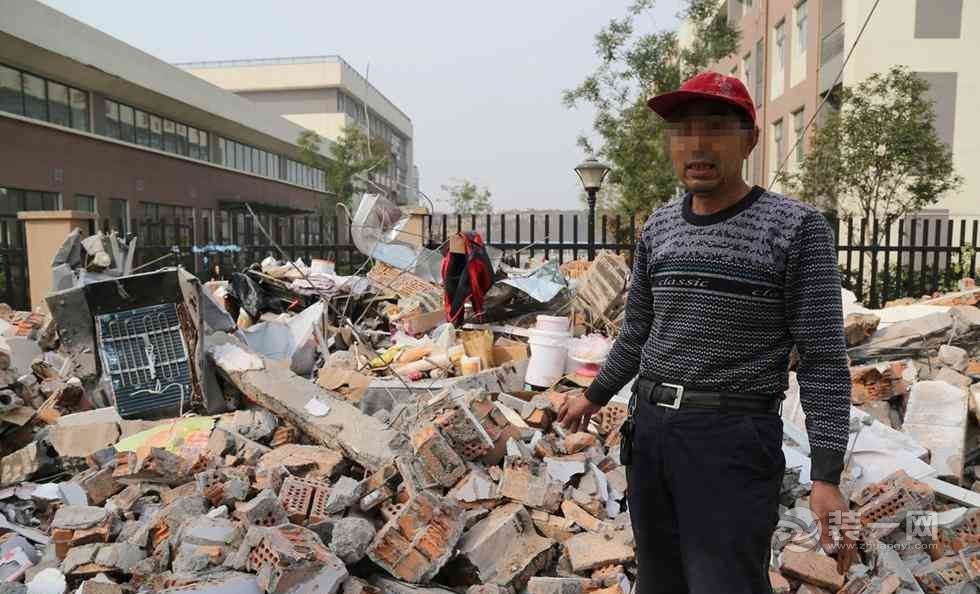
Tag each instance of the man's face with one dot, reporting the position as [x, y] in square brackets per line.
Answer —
[708, 143]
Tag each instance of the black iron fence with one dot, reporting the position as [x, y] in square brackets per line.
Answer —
[910, 258]
[913, 257]
[560, 236]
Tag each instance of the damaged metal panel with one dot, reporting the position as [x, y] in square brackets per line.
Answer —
[147, 336]
[144, 354]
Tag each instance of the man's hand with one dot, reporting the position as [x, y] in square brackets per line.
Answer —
[576, 412]
[826, 498]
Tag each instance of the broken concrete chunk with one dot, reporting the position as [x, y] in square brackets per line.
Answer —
[559, 585]
[859, 326]
[255, 424]
[351, 538]
[528, 482]
[475, 486]
[954, 357]
[566, 468]
[936, 416]
[588, 550]
[26, 463]
[343, 494]
[503, 549]
[78, 517]
[317, 461]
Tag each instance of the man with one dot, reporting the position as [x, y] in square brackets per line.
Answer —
[726, 281]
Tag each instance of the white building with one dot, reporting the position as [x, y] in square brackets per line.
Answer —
[323, 94]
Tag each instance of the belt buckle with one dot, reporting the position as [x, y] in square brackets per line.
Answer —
[676, 404]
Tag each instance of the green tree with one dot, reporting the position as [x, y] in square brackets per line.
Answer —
[352, 159]
[631, 66]
[465, 197]
[878, 156]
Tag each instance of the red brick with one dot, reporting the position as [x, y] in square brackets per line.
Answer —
[439, 460]
[414, 545]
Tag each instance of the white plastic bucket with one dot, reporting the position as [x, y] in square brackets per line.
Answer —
[557, 324]
[547, 364]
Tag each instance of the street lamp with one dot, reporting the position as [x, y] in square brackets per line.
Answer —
[592, 172]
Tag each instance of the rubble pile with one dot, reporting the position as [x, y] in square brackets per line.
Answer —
[292, 430]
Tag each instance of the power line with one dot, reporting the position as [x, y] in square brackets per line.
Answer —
[816, 112]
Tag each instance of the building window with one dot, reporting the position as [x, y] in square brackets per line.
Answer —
[78, 101]
[169, 136]
[11, 97]
[192, 144]
[202, 143]
[151, 211]
[777, 139]
[801, 26]
[747, 71]
[156, 132]
[32, 96]
[112, 129]
[58, 104]
[798, 134]
[938, 19]
[781, 45]
[85, 203]
[181, 139]
[35, 100]
[127, 123]
[142, 128]
[119, 214]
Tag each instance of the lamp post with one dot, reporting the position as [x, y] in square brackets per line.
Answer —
[592, 173]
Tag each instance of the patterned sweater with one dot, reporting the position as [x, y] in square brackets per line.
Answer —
[717, 302]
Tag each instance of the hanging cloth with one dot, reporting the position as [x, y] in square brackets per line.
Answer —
[467, 274]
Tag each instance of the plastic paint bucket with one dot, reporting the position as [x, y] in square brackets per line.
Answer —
[558, 324]
[547, 364]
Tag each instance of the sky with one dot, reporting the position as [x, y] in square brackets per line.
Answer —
[481, 81]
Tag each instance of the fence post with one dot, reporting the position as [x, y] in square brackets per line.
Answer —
[874, 265]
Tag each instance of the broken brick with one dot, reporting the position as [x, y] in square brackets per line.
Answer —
[414, 545]
[577, 442]
[813, 568]
[439, 460]
[575, 513]
[464, 432]
[779, 584]
[297, 497]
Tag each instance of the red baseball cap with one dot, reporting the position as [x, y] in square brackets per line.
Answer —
[707, 85]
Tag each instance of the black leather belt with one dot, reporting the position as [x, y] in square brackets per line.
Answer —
[676, 396]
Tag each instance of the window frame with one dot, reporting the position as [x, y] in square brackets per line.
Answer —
[20, 88]
[798, 117]
[801, 33]
[44, 100]
[779, 40]
[779, 140]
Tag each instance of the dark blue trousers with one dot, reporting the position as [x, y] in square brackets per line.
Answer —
[704, 499]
